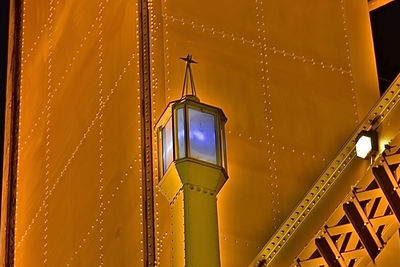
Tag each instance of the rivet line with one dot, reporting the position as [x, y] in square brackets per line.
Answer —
[48, 122]
[351, 81]
[101, 134]
[272, 179]
[239, 38]
[77, 147]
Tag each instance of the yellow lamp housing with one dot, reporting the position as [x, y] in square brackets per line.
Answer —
[366, 143]
[191, 133]
[192, 171]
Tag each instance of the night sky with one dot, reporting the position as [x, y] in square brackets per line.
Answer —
[385, 22]
[4, 7]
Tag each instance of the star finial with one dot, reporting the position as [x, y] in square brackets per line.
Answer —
[188, 59]
[188, 78]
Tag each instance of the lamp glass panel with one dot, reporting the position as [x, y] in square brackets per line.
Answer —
[223, 147]
[181, 133]
[167, 145]
[202, 136]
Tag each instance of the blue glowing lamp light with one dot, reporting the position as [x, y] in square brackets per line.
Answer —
[191, 131]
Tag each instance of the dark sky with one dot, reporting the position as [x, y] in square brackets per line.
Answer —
[385, 22]
[4, 7]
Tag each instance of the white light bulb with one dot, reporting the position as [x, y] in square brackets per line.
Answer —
[363, 146]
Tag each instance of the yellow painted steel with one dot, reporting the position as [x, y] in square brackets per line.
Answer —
[192, 189]
[79, 163]
[191, 185]
[294, 78]
[313, 211]
[177, 231]
[390, 255]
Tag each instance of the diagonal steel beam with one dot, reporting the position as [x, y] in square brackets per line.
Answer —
[393, 159]
[388, 184]
[329, 252]
[311, 262]
[363, 227]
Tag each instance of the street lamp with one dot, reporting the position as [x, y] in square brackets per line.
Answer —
[192, 170]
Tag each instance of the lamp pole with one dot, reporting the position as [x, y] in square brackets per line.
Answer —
[192, 170]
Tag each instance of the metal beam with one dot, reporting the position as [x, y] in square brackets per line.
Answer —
[340, 229]
[385, 107]
[374, 4]
[329, 252]
[147, 133]
[9, 182]
[388, 184]
[312, 262]
[369, 194]
[363, 228]
[393, 159]
[354, 254]
[388, 219]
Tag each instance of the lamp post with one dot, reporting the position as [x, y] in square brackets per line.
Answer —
[192, 170]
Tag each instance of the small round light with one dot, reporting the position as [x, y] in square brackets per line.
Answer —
[363, 146]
